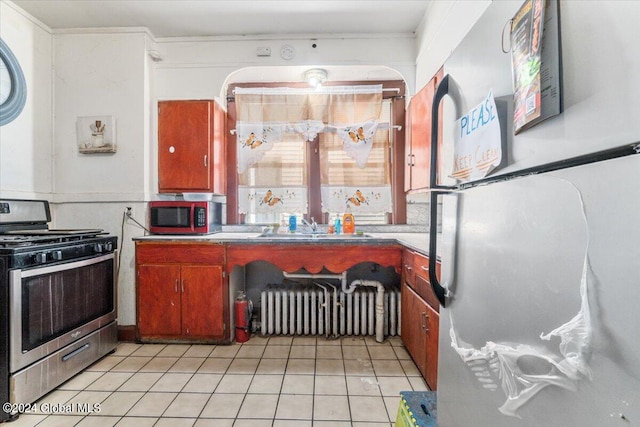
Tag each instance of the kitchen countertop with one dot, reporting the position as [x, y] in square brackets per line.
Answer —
[418, 241]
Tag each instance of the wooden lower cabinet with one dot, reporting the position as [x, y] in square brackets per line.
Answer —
[202, 301]
[420, 320]
[420, 325]
[181, 292]
[159, 307]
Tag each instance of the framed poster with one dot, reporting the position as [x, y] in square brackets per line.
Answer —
[536, 63]
[96, 134]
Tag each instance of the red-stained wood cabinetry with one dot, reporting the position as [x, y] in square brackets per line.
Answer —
[191, 147]
[418, 140]
[420, 318]
[181, 292]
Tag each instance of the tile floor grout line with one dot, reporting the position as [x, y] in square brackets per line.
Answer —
[328, 366]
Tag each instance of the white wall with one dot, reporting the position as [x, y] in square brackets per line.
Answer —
[198, 67]
[104, 73]
[101, 74]
[26, 143]
[443, 27]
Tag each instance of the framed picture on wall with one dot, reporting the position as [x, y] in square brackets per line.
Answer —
[96, 134]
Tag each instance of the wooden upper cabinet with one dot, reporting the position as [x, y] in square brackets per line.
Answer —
[191, 147]
[418, 144]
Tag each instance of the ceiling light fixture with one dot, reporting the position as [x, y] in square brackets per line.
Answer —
[316, 77]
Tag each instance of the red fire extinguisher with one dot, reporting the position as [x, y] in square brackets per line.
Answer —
[243, 317]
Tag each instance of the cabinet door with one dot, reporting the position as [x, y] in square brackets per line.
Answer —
[420, 109]
[202, 301]
[414, 326]
[421, 136]
[159, 300]
[219, 150]
[408, 160]
[433, 325]
[184, 146]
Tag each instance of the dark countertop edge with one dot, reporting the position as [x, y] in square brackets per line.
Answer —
[418, 242]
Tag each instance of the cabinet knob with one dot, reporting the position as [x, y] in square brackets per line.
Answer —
[205, 161]
[172, 149]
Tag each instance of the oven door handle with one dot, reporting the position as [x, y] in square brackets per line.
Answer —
[37, 271]
[75, 352]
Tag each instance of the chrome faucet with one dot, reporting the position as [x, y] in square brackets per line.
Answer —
[313, 225]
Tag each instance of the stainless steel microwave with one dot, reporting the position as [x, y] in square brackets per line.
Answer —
[185, 217]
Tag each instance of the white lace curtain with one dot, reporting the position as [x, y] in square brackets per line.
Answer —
[265, 114]
[347, 118]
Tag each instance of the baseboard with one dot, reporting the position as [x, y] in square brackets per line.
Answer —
[127, 333]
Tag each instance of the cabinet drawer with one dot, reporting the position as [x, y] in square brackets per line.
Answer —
[408, 271]
[423, 288]
[187, 253]
[423, 282]
[421, 266]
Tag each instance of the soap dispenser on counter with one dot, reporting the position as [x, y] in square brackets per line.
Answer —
[348, 223]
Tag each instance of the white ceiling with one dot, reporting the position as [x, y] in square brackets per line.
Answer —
[177, 18]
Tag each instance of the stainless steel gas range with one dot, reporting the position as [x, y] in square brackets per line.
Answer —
[57, 302]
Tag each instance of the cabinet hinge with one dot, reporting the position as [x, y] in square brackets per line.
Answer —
[224, 274]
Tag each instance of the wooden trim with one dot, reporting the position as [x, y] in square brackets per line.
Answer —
[314, 181]
[399, 215]
[398, 156]
[184, 252]
[232, 169]
[127, 333]
[313, 257]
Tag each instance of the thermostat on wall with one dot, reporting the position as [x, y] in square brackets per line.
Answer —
[263, 51]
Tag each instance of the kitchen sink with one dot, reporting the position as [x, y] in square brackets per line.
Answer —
[312, 236]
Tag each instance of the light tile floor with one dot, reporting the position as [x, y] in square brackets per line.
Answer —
[275, 382]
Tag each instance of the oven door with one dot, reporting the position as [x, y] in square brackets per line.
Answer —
[52, 306]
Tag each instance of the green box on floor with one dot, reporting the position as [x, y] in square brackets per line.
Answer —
[417, 409]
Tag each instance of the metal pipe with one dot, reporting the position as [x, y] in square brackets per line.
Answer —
[325, 304]
[342, 277]
[379, 304]
[263, 298]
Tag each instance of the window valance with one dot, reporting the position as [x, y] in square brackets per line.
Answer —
[265, 114]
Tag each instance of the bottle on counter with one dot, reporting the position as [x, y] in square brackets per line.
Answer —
[348, 223]
[293, 223]
[336, 225]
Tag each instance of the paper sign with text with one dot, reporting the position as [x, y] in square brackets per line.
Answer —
[477, 145]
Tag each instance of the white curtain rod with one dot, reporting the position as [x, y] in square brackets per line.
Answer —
[396, 127]
[389, 89]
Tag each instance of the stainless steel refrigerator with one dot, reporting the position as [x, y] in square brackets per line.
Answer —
[540, 285]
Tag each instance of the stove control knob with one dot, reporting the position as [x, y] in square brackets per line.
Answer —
[108, 247]
[41, 258]
[97, 248]
[57, 255]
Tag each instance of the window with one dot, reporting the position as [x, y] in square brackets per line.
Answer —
[297, 171]
[284, 166]
[366, 187]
